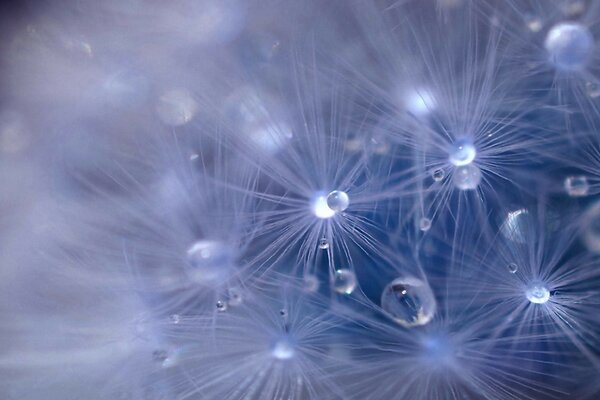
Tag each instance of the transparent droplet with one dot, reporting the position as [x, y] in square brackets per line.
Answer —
[577, 186]
[311, 283]
[462, 152]
[533, 22]
[209, 261]
[283, 312]
[517, 225]
[438, 174]
[176, 107]
[159, 356]
[537, 293]
[338, 200]
[569, 46]
[221, 306]
[425, 224]
[592, 89]
[409, 301]
[344, 281]
[323, 244]
[283, 350]
[175, 318]
[512, 268]
[235, 297]
[467, 177]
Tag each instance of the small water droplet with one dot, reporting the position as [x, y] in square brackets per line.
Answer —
[438, 174]
[175, 318]
[425, 224]
[221, 306]
[344, 281]
[338, 200]
[409, 301]
[577, 186]
[283, 312]
[323, 244]
[533, 22]
[512, 268]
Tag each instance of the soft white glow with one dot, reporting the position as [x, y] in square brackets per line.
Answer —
[320, 207]
[537, 294]
[283, 350]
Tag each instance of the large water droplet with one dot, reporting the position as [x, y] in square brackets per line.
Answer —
[338, 200]
[537, 293]
[344, 281]
[569, 46]
[409, 301]
[462, 152]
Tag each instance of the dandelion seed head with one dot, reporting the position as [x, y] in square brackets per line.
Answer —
[537, 293]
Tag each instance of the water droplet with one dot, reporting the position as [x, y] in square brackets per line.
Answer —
[462, 152]
[209, 261]
[569, 45]
[159, 356]
[438, 174]
[235, 297]
[338, 200]
[323, 244]
[344, 281]
[221, 306]
[512, 268]
[592, 89]
[425, 224]
[533, 22]
[283, 350]
[537, 293]
[577, 186]
[409, 301]
[176, 107]
[175, 318]
[283, 312]
[517, 225]
[311, 283]
[467, 177]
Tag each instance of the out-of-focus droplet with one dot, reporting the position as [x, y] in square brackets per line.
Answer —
[344, 281]
[512, 268]
[577, 186]
[533, 22]
[235, 297]
[425, 224]
[592, 89]
[209, 261]
[517, 225]
[175, 318]
[569, 46]
[283, 350]
[338, 200]
[176, 107]
[537, 293]
[409, 301]
[323, 244]
[311, 283]
[467, 177]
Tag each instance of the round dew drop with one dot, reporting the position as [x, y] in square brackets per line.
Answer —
[512, 268]
[338, 200]
[344, 281]
[409, 301]
[577, 186]
[221, 306]
[467, 177]
[425, 224]
[462, 153]
[323, 244]
[438, 174]
[569, 46]
[537, 294]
